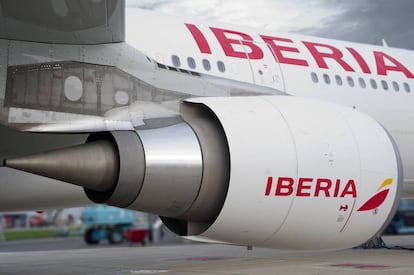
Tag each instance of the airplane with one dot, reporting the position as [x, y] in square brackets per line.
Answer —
[229, 134]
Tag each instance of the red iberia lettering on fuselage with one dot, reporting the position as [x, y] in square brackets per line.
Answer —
[310, 187]
[285, 51]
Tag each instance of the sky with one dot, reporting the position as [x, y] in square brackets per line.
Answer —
[366, 21]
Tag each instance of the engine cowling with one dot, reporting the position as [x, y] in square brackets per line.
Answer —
[281, 172]
[304, 174]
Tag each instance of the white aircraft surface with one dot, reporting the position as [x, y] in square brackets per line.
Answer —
[229, 134]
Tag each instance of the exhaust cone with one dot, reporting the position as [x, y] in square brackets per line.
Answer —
[92, 165]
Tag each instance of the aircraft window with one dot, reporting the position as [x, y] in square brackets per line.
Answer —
[362, 82]
[221, 67]
[338, 80]
[407, 87]
[351, 82]
[206, 65]
[373, 84]
[176, 61]
[314, 77]
[327, 79]
[384, 85]
[396, 86]
[191, 63]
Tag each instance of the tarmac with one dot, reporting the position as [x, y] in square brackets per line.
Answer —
[72, 256]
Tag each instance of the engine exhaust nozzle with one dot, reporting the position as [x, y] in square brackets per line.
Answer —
[92, 165]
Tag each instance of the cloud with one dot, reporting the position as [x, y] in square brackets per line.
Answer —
[278, 15]
[367, 21]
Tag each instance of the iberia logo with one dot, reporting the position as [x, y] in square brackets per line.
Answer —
[376, 200]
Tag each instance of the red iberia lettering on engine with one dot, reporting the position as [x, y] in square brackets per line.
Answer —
[323, 185]
[349, 189]
[284, 186]
[331, 53]
[310, 187]
[303, 188]
[246, 41]
[269, 186]
[277, 50]
[337, 186]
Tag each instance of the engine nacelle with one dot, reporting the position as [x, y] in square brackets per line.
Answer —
[304, 174]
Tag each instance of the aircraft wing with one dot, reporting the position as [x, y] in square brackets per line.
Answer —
[64, 29]
[63, 21]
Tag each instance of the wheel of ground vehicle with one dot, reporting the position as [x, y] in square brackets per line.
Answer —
[115, 236]
[91, 236]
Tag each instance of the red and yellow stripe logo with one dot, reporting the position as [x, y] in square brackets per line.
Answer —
[379, 197]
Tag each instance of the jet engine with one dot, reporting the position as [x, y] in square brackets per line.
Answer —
[280, 172]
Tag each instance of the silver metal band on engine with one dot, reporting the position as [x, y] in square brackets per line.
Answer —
[173, 170]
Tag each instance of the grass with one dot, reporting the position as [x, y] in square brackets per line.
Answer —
[27, 234]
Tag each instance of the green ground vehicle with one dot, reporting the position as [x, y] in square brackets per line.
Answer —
[106, 223]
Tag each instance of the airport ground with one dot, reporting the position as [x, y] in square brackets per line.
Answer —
[73, 256]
